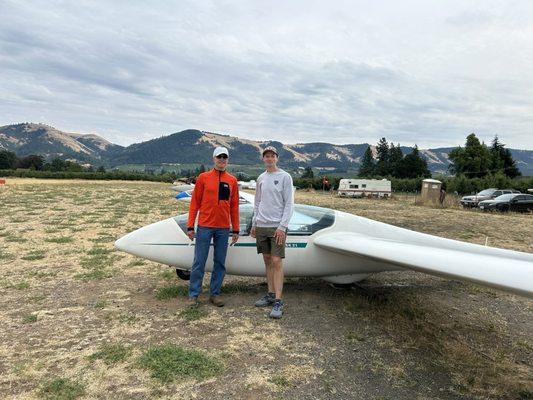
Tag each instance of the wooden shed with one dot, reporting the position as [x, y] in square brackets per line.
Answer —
[431, 190]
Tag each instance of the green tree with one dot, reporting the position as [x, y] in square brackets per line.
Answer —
[31, 161]
[367, 167]
[412, 166]
[56, 165]
[395, 158]
[501, 159]
[383, 158]
[474, 160]
[308, 173]
[8, 159]
[101, 169]
[73, 166]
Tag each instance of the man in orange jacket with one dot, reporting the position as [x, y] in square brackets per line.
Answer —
[216, 199]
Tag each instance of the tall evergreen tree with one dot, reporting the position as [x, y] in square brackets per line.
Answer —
[413, 166]
[383, 158]
[395, 157]
[496, 152]
[509, 165]
[501, 159]
[367, 167]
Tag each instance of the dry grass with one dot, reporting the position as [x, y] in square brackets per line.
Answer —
[76, 316]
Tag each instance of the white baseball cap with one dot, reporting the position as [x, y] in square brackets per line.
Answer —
[220, 150]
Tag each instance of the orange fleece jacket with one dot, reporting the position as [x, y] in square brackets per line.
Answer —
[216, 198]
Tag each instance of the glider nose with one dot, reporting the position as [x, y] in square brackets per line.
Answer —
[122, 243]
[147, 241]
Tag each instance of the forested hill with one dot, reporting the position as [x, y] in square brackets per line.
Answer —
[195, 146]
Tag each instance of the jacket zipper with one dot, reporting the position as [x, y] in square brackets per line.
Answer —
[218, 196]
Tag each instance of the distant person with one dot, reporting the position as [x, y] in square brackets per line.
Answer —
[216, 199]
[273, 208]
[442, 194]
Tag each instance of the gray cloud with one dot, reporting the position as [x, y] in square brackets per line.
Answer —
[345, 72]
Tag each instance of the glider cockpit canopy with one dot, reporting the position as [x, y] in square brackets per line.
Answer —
[305, 220]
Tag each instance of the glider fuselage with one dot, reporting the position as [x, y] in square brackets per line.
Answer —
[166, 242]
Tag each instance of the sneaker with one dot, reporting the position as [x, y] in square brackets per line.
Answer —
[216, 300]
[277, 310]
[192, 302]
[266, 300]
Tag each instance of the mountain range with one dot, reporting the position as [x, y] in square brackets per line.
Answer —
[193, 146]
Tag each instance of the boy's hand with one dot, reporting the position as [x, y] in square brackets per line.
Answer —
[279, 236]
[252, 232]
[191, 234]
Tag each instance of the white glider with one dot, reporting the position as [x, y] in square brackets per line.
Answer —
[182, 187]
[341, 248]
[186, 195]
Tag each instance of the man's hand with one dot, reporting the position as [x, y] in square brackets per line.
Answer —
[252, 232]
[279, 235]
[191, 234]
[234, 238]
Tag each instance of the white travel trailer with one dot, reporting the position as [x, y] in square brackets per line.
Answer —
[364, 188]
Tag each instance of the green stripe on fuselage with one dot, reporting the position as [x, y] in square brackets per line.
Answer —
[292, 245]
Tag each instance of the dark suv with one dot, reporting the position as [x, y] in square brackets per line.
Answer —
[509, 202]
[487, 194]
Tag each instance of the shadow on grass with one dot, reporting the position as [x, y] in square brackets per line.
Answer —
[468, 348]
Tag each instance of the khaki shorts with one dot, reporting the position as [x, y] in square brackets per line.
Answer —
[266, 243]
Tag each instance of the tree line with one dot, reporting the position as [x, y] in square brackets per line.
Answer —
[9, 160]
[474, 160]
[477, 160]
[391, 162]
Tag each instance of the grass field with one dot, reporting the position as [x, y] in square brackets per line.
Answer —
[80, 320]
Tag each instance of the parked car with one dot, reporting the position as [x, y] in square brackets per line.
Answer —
[509, 202]
[487, 194]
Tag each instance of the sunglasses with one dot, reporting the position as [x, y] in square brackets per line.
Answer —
[224, 156]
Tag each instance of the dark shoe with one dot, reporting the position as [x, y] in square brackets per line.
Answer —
[266, 300]
[192, 302]
[216, 300]
[277, 309]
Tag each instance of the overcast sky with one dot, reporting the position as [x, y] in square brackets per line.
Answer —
[425, 72]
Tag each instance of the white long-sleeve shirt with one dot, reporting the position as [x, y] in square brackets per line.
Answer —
[274, 200]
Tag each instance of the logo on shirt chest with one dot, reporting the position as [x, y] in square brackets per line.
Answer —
[276, 182]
